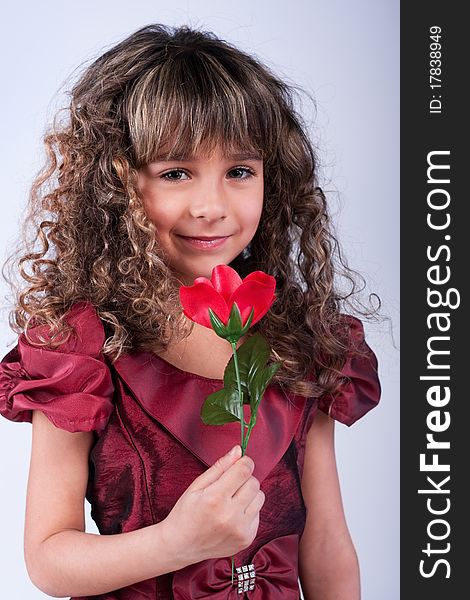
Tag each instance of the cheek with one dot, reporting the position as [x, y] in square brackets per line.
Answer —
[252, 214]
[260, 199]
[157, 210]
[161, 216]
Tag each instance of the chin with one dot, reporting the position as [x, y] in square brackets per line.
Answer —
[238, 263]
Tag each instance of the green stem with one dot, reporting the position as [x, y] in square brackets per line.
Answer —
[240, 395]
[250, 427]
[242, 417]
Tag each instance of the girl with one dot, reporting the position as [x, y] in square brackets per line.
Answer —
[175, 136]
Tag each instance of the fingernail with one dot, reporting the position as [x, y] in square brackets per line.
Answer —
[234, 450]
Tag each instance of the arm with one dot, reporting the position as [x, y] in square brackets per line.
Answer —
[63, 560]
[328, 565]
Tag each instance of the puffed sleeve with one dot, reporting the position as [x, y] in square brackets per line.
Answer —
[71, 384]
[361, 390]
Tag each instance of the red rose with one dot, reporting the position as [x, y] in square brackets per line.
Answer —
[222, 290]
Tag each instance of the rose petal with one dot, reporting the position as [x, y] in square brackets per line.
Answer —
[253, 294]
[225, 280]
[196, 301]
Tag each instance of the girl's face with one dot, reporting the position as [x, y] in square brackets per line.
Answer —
[203, 198]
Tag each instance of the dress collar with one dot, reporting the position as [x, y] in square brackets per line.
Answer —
[174, 398]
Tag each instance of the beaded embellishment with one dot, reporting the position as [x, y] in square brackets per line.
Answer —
[246, 578]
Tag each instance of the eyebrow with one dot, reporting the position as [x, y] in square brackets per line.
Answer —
[186, 158]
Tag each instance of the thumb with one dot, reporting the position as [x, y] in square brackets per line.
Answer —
[215, 471]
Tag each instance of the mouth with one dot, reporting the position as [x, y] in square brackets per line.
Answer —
[204, 242]
[203, 237]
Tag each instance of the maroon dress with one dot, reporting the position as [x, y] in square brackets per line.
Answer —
[150, 444]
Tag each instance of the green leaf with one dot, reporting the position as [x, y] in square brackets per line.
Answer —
[230, 379]
[254, 373]
[252, 356]
[221, 407]
[261, 382]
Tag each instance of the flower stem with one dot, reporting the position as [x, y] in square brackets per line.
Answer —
[242, 417]
[250, 427]
[240, 395]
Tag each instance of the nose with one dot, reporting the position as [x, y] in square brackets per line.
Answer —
[209, 202]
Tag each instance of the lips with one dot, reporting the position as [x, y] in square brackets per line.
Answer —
[204, 238]
[203, 243]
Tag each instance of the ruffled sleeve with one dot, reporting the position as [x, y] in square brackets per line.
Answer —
[361, 390]
[71, 384]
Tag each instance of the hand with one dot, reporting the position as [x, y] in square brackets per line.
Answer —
[218, 514]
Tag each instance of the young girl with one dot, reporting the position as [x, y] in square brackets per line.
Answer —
[175, 136]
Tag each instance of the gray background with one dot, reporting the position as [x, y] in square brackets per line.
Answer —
[346, 54]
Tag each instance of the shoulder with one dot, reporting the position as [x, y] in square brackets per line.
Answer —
[71, 383]
[87, 333]
[360, 391]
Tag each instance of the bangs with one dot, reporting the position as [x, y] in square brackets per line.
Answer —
[191, 102]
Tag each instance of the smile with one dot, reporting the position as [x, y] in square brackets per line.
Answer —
[203, 244]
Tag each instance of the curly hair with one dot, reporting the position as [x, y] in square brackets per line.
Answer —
[185, 90]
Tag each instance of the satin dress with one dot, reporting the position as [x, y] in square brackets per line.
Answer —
[150, 444]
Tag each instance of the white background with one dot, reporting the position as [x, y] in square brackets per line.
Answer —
[346, 54]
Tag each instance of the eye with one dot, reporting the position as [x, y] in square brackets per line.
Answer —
[165, 176]
[249, 172]
[175, 175]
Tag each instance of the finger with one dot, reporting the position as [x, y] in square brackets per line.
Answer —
[214, 472]
[246, 493]
[255, 506]
[234, 477]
